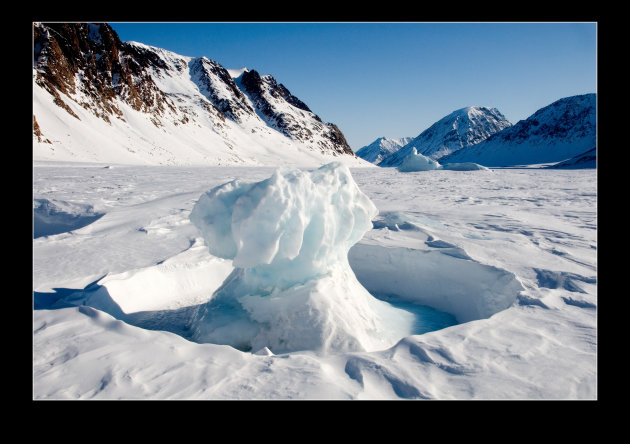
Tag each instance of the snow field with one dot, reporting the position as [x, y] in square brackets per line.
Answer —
[530, 228]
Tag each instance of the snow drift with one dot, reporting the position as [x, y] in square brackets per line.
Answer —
[292, 287]
[56, 217]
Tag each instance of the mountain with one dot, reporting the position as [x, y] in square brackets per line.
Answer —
[584, 160]
[557, 132]
[98, 99]
[381, 148]
[460, 129]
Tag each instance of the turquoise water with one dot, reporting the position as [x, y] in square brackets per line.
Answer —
[426, 318]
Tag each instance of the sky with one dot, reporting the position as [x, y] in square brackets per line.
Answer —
[396, 79]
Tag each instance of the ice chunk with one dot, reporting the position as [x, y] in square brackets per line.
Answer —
[418, 162]
[292, 287]
[297, 223]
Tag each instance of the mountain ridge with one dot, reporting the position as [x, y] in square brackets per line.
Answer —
[96, 98]
[559, 131]
[459, 129]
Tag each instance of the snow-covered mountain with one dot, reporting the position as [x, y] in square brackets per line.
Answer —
[98, 99]
[584, 160]
[460, 129]
[560, 131]
[381, 148]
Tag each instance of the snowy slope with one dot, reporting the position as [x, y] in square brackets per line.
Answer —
[381, 148]
[584, 160]
[97, 99]
[557, 132]
[511, 253]
[460, 129]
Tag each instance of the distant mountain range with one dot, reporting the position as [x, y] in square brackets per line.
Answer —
[560, 131]
[98, 99]
[564, 131]
[460, 129]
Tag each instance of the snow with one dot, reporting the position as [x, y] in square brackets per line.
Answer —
[60, 217]
[235, 73]
[511, 255]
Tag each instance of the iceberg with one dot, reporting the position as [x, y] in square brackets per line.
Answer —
[292, 287]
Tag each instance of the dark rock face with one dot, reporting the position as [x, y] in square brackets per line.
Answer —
[253, 83]
[206, 73]
[337, 137]
[105, 67]
[254, 87]
[263, 91]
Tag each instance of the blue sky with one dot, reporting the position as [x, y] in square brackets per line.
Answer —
[397, 79]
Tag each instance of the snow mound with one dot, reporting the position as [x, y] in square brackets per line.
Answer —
[292, 287]
[418, 162]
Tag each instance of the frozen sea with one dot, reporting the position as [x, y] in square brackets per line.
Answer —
[499, 267]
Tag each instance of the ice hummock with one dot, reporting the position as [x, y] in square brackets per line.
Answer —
[418, 162]
[292, 287]
[415, 161]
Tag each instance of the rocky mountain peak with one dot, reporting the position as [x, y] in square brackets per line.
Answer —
[86, 67]
[567, 117]
[459, 129]
[216, 84]
[556, 132]
[90, 60]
